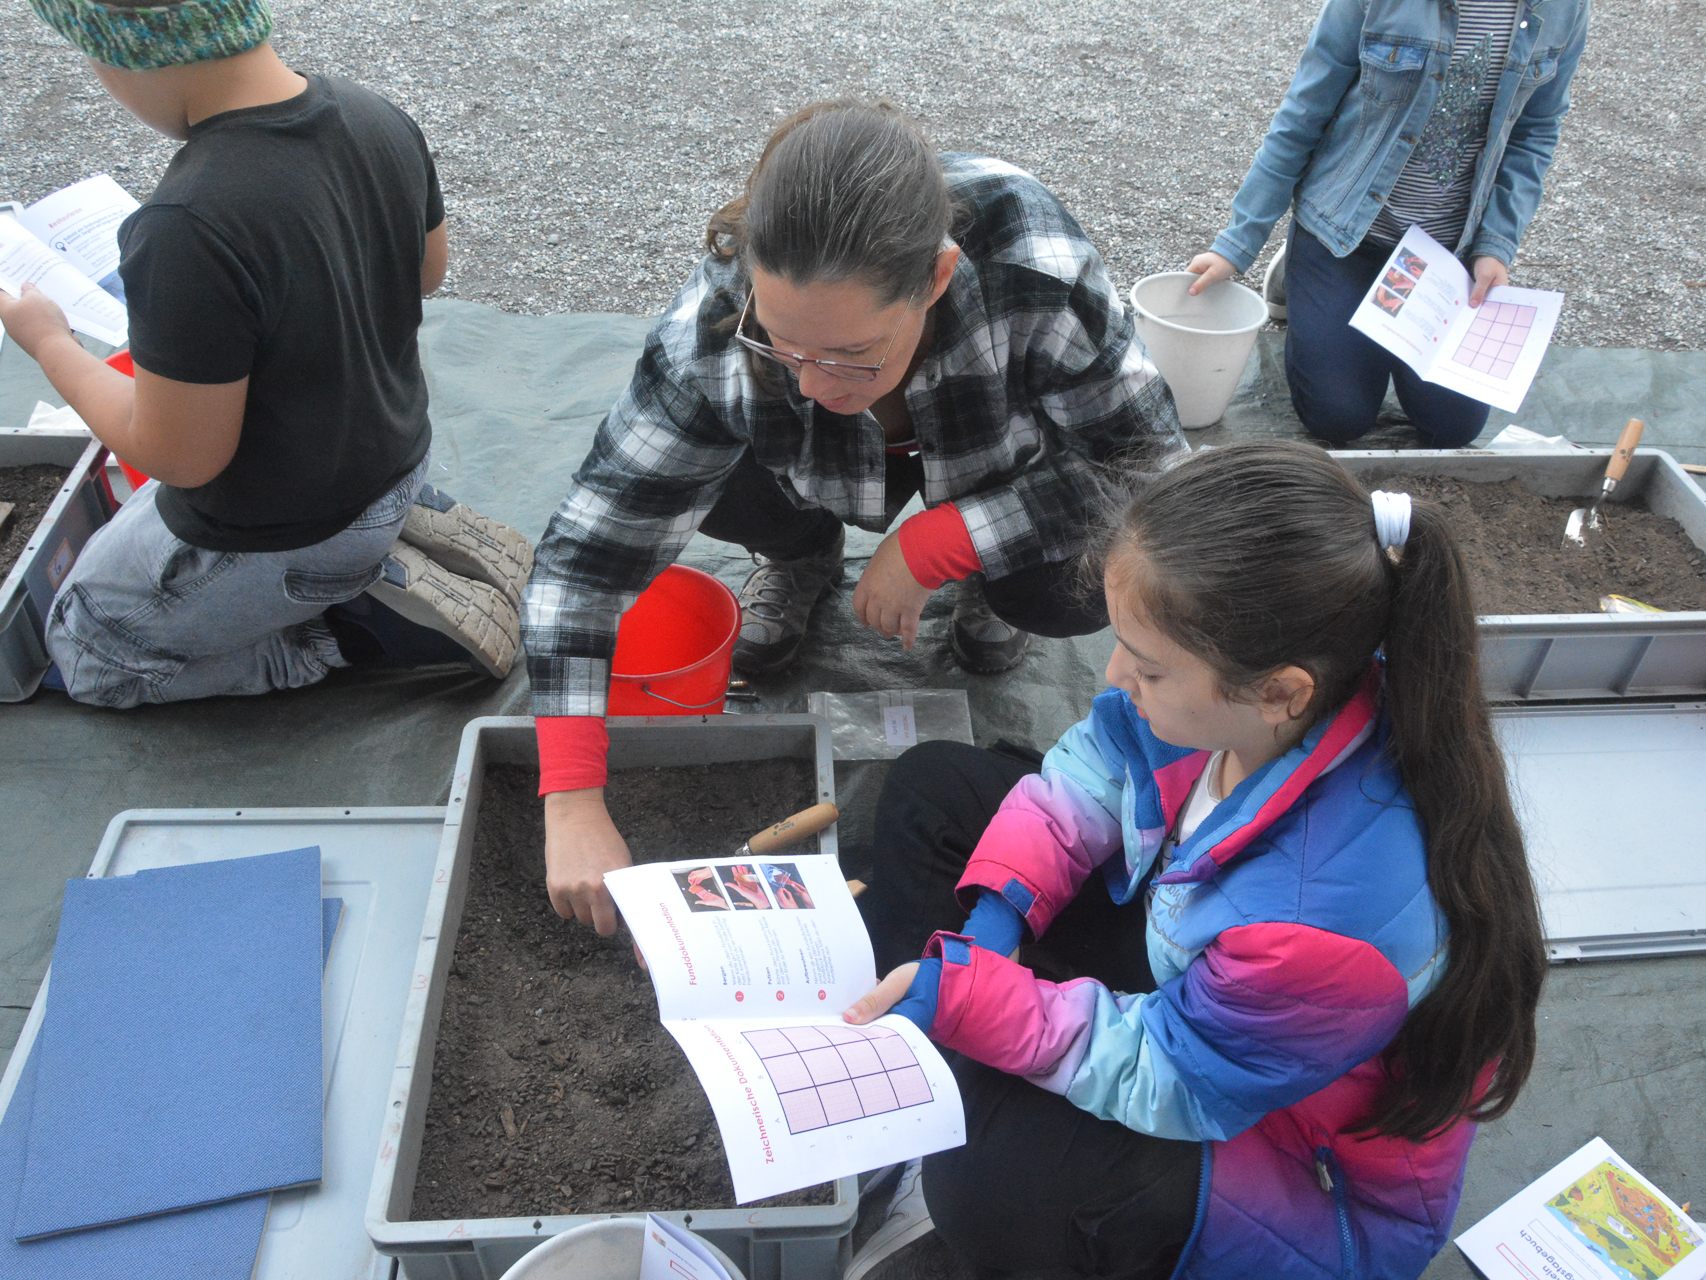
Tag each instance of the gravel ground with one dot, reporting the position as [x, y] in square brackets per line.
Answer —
[582, 143]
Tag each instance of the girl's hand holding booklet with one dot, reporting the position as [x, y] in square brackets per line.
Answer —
[753, 961]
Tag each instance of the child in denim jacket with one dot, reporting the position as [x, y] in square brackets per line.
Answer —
[1438, 113]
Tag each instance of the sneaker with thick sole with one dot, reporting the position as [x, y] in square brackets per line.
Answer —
[907, 1220]
[776, 604]
[1273, 285]
[982, 643]
[475, 616]
[469, 544]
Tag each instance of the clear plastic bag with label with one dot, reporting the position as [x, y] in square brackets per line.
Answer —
[881, 724]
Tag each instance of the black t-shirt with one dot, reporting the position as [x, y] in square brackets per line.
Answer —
[284, 243]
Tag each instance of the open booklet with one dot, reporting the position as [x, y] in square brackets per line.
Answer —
[1418, 309]
[1589, 1217]
[66, 244]
[753, 961]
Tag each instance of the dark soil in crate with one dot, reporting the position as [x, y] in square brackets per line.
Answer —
[554, 1088]
[31, 491]
[1513, 539]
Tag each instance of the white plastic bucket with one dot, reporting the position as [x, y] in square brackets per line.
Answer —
[1199, 344]
[608, 1249]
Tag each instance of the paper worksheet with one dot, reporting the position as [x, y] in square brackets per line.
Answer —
[1418, 309]
[66, 244]
[1589, 1217]
[753, 961]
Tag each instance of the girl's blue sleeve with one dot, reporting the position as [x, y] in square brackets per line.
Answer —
[1330, 64]
[1528, 154]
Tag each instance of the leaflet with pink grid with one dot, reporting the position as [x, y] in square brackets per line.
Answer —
[1495, 339]
[831, 1075]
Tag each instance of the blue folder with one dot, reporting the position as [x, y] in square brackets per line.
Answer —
[180, 1058]
[216, 1242]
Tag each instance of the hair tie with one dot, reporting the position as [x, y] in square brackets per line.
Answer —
[1391, 521]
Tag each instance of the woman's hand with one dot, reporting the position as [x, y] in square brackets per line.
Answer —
[888, 598]
[1210, 269]
[581, 844]
[1489, 273]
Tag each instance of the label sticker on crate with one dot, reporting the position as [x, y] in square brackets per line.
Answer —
[64, 556]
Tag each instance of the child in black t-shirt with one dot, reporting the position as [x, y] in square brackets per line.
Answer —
[274, 284]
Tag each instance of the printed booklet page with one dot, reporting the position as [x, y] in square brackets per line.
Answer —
[1418, 309]
[66, 244]
[753, 961]
[1590, 1217]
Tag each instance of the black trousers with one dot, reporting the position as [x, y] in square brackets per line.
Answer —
[1040, 1183]
[756, 514]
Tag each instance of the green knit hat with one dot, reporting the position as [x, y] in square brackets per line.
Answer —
[161, 35]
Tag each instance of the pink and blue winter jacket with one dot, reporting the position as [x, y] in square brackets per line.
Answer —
[1289, 937]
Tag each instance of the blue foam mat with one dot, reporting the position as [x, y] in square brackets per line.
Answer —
[215, 1242]
[180, 1057]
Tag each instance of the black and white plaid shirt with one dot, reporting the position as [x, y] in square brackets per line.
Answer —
[1033, 380]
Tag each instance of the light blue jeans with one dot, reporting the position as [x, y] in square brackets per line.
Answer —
[146, 617]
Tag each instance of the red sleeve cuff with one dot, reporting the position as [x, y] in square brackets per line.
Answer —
[936, 546]
[573, 752]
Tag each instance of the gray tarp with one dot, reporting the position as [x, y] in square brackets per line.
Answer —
[515, 402]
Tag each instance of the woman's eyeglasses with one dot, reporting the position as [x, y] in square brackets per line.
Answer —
[794, 360]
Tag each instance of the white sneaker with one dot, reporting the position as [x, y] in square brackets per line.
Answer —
[1273, 285]
[907, 1220]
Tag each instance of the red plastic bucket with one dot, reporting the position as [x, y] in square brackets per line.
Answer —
[674, 647]
[121, 361]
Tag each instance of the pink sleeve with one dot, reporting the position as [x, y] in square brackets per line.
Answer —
[1040, 848]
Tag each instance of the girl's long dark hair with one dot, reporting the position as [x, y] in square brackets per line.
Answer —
[1263, 555]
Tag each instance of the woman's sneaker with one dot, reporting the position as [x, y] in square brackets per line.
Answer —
[1273, 285]
[982, 643]
[776, 604]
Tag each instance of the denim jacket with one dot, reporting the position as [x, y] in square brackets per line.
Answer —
[1357, 106]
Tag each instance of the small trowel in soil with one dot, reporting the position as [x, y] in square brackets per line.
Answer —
[807, 822]
[1585, 520]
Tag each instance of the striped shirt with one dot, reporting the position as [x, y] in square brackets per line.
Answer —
[1033, 380]
[1434, 189]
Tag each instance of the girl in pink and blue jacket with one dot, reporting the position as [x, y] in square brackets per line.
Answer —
[1258, 1044]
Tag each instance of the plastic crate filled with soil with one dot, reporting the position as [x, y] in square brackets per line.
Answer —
[53, 496]
[535, 1087]
[1544, 635]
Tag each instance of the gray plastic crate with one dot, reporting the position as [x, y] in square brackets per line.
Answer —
[381, 862]
[806, 1242]
[84, 503]
[1571, 656]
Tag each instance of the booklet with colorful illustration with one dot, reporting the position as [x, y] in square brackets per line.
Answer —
[1590, 1217]
[1418, 309]
[66, 244]
[753, 961]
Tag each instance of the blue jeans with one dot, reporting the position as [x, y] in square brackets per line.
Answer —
[146, 617]
[1338, 375]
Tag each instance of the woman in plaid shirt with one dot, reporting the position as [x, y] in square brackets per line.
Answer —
[871, 321]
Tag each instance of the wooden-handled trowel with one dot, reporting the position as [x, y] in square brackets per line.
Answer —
[807, 822]
[1585, 520]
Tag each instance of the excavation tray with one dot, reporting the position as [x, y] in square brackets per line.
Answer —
[84, 503]
[1560, 656]
[806, 1242]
